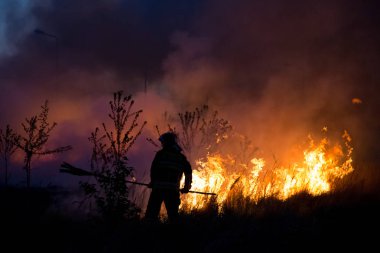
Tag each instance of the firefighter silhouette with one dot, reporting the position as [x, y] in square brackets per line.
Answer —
[167, 169]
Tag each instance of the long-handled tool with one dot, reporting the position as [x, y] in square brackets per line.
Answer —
[70, 169]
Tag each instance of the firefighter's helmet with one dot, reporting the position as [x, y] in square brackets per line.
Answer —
[168, 138]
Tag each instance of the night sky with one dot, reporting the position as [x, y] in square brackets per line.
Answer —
[277, 70]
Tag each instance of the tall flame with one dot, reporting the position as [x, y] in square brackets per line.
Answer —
[322, 164]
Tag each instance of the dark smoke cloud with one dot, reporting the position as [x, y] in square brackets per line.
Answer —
[125, 40]
[277, 70]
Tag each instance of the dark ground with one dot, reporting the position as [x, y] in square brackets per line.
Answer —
[302, 224]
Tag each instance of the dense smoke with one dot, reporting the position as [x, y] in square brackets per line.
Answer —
[277, 70]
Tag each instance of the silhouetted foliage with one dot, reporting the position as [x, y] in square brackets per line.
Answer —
[37, 132]
[8, 141]
[109, 160]
[199, 132]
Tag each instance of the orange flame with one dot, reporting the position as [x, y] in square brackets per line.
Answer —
[322, 164]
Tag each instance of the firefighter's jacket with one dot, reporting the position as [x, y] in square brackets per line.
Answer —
[168, 167]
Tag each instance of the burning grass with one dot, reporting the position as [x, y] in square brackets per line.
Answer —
[322, 166]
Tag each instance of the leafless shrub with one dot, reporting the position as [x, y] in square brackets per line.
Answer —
[37, 132]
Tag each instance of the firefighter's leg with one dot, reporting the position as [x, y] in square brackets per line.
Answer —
[172, 202]
[154, 205]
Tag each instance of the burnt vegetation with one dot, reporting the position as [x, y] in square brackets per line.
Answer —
[341, 219]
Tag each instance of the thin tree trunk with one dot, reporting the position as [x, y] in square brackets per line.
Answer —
[28, 172]
[6, 171]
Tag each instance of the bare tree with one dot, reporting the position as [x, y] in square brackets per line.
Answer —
[8, 141]
[109, 159]
[37, 132]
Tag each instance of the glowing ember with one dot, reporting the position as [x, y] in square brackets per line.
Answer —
[322, 164]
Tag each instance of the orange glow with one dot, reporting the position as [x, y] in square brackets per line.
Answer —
[322, 164]
[356, 101]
